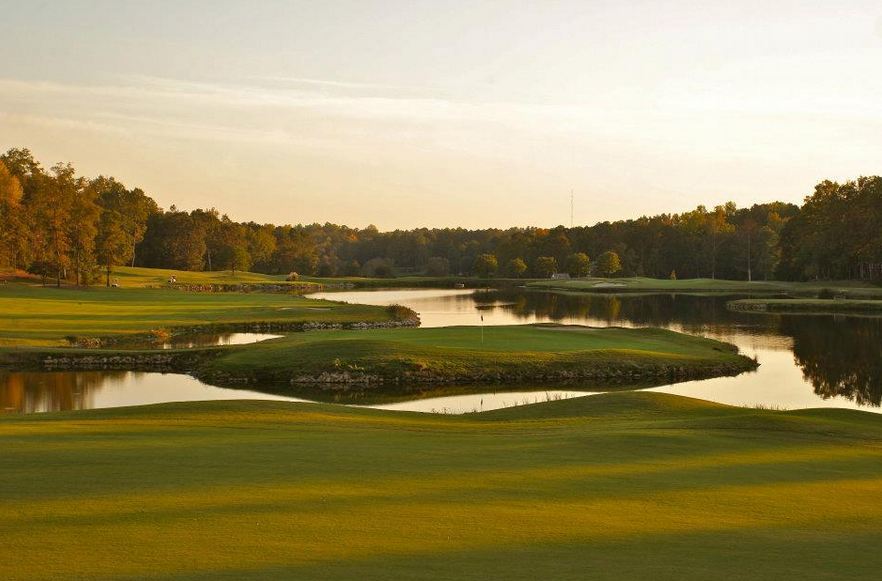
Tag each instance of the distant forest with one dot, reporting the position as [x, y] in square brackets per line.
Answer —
[62, 226]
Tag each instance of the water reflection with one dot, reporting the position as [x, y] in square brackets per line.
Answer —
[806, 360]
[840, 356]
[202, 340]
[37, 392]
[43, 391]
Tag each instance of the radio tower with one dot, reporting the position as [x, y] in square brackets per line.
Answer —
[571, 208]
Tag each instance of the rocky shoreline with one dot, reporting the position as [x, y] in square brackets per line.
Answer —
[164, 335]
[341, 380]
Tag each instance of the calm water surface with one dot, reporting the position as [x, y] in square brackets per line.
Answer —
[205, 340]
[806, 361]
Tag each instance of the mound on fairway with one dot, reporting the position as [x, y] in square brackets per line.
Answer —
[475, 355]
[618, 486]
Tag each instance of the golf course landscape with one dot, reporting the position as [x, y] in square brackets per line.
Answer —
[624, 484]
[440, 291]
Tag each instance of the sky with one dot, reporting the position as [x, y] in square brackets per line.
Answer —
[438, 113]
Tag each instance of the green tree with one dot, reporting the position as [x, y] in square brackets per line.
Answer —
[486, 265]
[545, 266]
[378, 266]
[608, 264]
[49, 217]
[578, 264]
[111, 244]
[261, 243]
[517, 267]
[85, 215]
[232, 246]
[437, 266]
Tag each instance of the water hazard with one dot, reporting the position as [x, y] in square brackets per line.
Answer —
[805, 360]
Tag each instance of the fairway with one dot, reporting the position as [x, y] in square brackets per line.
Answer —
[701, 285]
[632, 485]
[32, 315]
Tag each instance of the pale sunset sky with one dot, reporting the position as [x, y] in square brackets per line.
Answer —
[474, 113]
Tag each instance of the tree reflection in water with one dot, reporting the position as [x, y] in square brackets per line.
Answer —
[837, 356]
[27, 392]
[840, 356]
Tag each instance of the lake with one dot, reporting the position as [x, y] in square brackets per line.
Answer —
[805, 360]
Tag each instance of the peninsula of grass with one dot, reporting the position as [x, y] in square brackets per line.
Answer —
[706, 285]
[520, 353]
[627, 485]
[32, 315]
[808, 306]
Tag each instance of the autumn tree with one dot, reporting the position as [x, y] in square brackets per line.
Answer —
[516, 267]
[11, 234]
[608, 264]
[545, 266]
[577, 264]
[486, 265]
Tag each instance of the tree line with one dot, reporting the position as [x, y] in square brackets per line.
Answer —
[62, 226]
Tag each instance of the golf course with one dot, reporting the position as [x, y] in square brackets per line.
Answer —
[626, 484]
[633, 485]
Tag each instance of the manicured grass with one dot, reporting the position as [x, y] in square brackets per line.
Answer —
[458, 353]
[33, 315]
[643, 284]
[156, 277]
[412, 281]
[808, 306]
[617, 486]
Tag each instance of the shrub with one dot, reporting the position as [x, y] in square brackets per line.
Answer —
[402, 313]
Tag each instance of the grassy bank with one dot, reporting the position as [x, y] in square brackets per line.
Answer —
[818, 306]
[618, 486]
[459, 354]
[33, 315]
[705, 285]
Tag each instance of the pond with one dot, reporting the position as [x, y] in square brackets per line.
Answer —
[805, 360]
[202, 340]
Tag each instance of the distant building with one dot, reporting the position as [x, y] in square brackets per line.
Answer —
[560, 276]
